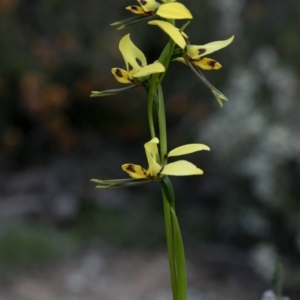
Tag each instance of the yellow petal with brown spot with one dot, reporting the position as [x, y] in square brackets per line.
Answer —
[207, 64]
[121, 75]
[134, 171]
[149, 5]
[197, 51]
[136, 9]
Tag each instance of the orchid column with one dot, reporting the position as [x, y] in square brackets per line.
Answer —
[137, 73]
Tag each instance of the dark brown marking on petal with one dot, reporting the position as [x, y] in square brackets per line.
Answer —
[118, 73]
[212, 63]
[130, 168]
[139, 62]
[143, 2]
[130, 67]
[133, 7]
[201, 51]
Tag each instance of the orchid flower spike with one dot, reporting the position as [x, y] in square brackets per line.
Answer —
[137, 69]
[149, 9]
[155, 169]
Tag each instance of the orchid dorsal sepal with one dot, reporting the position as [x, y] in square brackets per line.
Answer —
[187, 149]
[170, 30]
[112, 91]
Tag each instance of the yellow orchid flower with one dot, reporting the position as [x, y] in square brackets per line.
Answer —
[149, 9]
[136, 71]
[178, 168]
[193, 55]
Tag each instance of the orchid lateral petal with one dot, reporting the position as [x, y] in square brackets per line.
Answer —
[170, 30]
[133, 56]
[156, 67]
[136, 9]
[187, 149]
[121, 75]
[207, 64]
[195, 51]
[174, 11]
[181, 168]
[148, 5]
[135, 171]
[113, 91]
[169, 1]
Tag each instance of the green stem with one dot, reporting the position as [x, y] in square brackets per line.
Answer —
[170, 245]
[180, 259]
[150, 117]
[162, 126]
[173, 235]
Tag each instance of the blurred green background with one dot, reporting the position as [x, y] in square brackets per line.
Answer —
[54, 138]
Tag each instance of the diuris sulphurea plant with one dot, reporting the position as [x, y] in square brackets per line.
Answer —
[138, 72]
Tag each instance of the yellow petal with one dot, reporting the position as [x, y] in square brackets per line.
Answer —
[195, 51]
[156, 67]
[187, 149]
[174, 11]
[121, 75]
[133, 56]
[134, 171]
[181, 168]
[149, 5]
[136, 9]
[172, 31]
[180, 59]
[169, 1]
[151, 153]
[207, 64]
